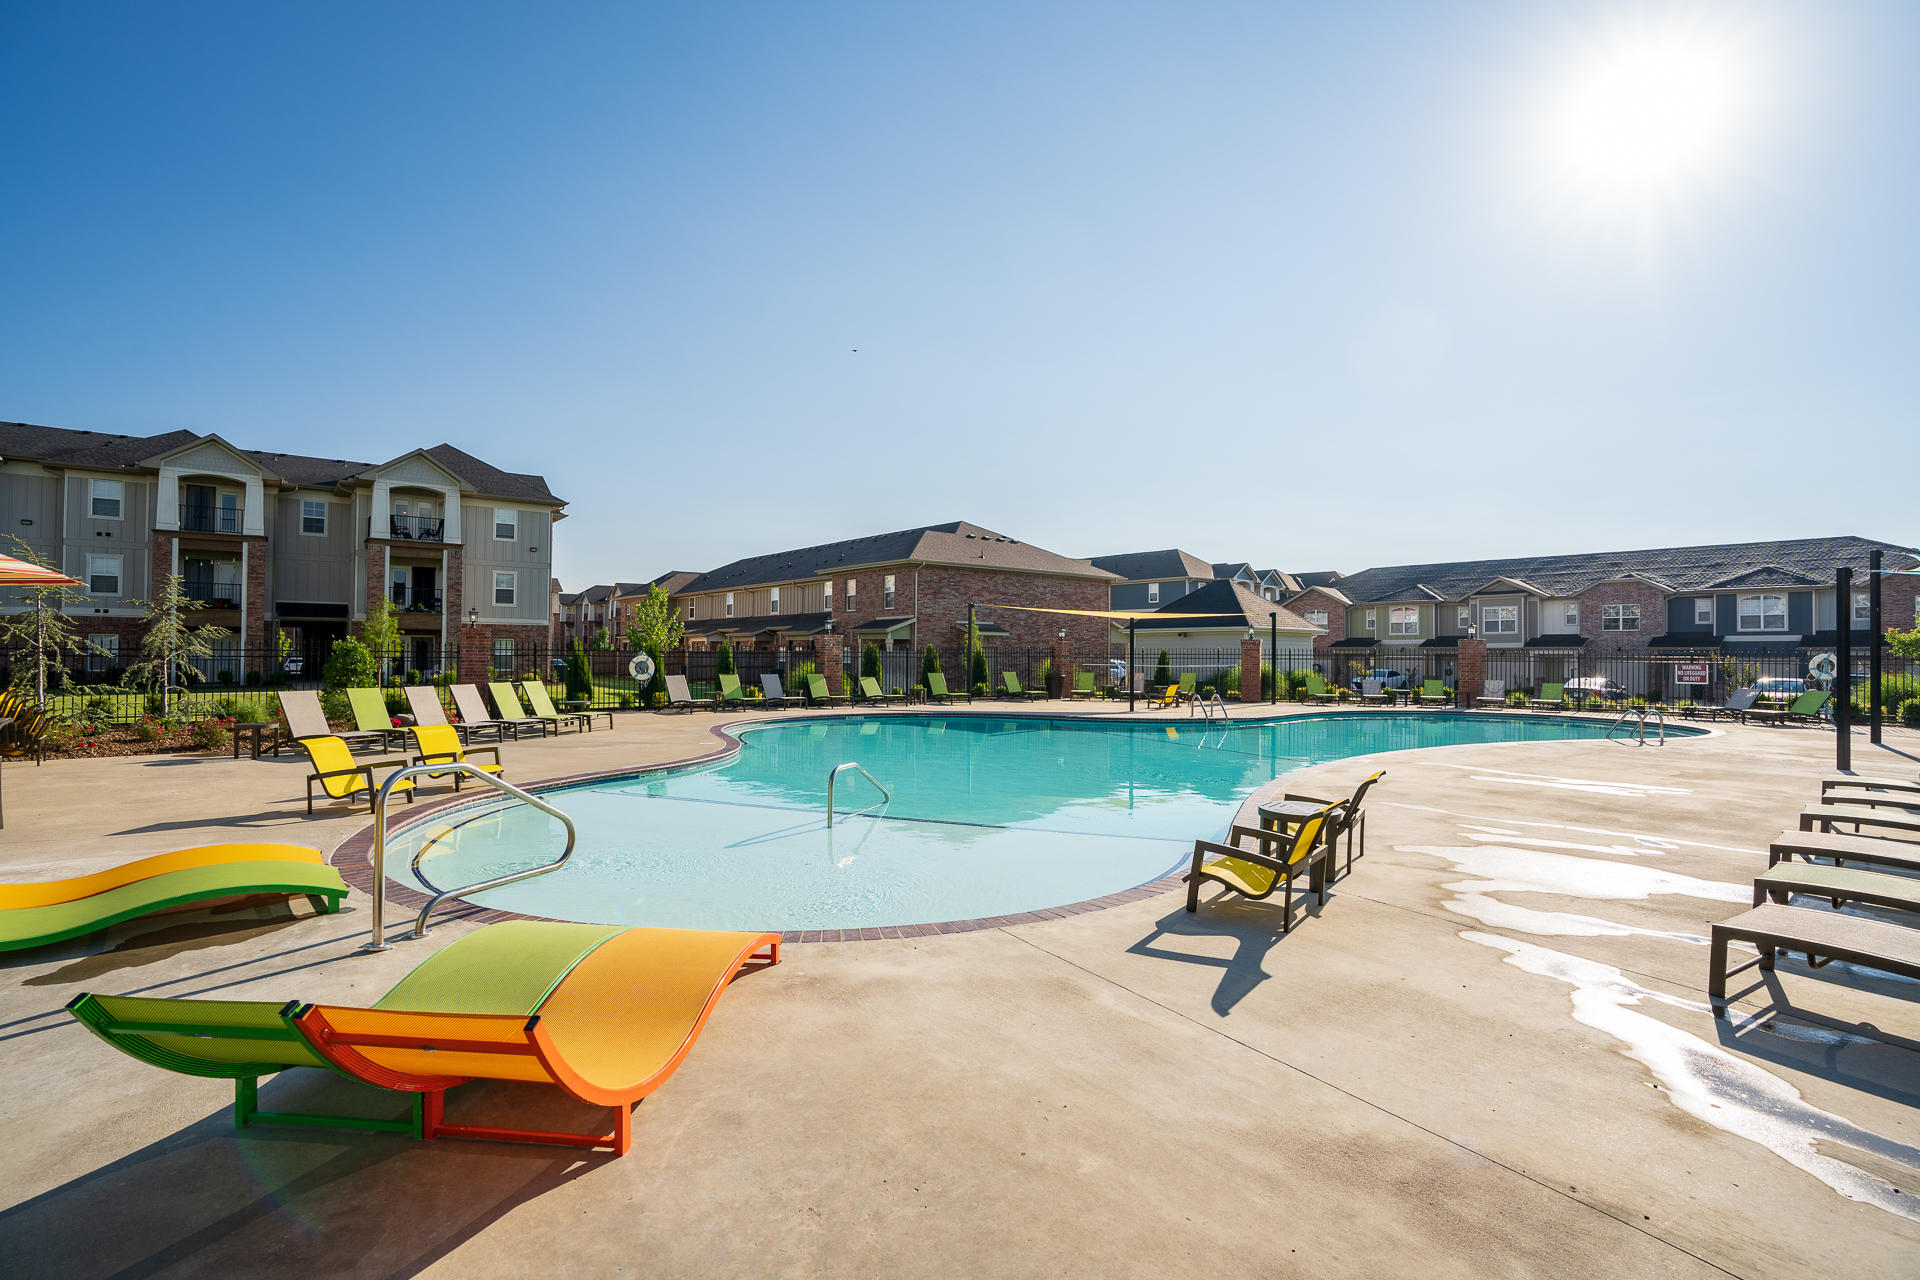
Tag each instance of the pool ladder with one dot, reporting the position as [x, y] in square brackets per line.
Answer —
[378, 857]
[1641, 729]
[886, 796]
[1207, 706]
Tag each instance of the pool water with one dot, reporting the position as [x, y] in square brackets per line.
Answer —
[988, 816]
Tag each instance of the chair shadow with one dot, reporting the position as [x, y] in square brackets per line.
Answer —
[1821, 1045]
[1255, 926]
[214, 1200]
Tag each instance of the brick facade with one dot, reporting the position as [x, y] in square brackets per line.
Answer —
[1250, 670]
[258, 638]
[945, 591]
[1315, 598]
[1470, 667]
[1653, 615]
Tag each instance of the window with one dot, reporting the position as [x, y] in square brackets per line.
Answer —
[689, 611]
[827, 595]
[773, 600]
[1153, 593]
[1270, 593]
[313, 516]
[1500, 619]
[1571, 618]
[1463, 617]
[1619, 617]
[1703, 611]
[503, 656]
[106, 499]
[729, 604]
[886, 592]
[103, 575]
[1862, 608]
[852, 585]
[229, 511]
[1763, 613]
[1372, 618]
[506, 524]
[1403, 620]
[505, 586]
[1318, 617]
[105, 652]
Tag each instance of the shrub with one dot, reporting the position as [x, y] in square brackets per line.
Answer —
[1910, 714]
[1516, 697]
[919, 693]
[870, 660]
[396, 703]
[333, 702]
[1297, 684]
[349, 666]
[413, 675]
[153, 704]
[1163, 669]
[209, 735]
[977, 674]
[579, 680]
[1045, 670]
[980, 687]
[239, 707]
[253, 680]
[98, 709]
[929, 663]
[895, 691]
[626, 702]
[223, 677]
[657, 701]
[796, 677]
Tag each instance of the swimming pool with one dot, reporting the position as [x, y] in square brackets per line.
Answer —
[989, 816]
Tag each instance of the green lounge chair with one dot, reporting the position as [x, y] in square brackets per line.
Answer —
[731, 694]
[1551, 695]
[474, 715]
[817, 694]
[1010, 688]
[937, 689]
[870, 691]
[301, 710]
[1804, 709]
[542, 707]
[1432, 691]
[1082, 686]
[371, 717]
[1317, 691]
[33, 915]
[1188, 684]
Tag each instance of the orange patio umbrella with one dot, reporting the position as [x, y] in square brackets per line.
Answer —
[23, 573]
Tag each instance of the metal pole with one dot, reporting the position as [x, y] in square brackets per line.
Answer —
[1130, 668]
[967, 650]
[1273, 652]
[1873, 647]
[1843, 678]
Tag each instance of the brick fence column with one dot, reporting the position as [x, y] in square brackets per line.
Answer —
[1062, 658]
[1471, 671]
[476, 654]
[828, 647]
[1250, 670]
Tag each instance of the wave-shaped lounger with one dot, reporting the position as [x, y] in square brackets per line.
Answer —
[605, 1014]
[33, 915]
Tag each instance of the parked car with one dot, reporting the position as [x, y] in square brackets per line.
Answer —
[1387, 676]
[1117, 673]
[1783, 688]
[1597, 688]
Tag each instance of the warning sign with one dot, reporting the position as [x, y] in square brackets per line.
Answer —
[1691, 673]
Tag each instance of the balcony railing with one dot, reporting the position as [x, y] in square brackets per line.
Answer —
[218, 595]
[418, 528]
[414, 599]
[203, 517]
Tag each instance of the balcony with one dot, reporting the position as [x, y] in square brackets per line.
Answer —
[414, 599]
[418, 528]
[204, 517]
[214, 595]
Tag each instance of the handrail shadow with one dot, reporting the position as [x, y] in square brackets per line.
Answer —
[1255, 926]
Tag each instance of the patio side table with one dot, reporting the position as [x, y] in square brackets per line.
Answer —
[255, 728]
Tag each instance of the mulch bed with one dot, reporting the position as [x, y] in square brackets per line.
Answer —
[131, 740]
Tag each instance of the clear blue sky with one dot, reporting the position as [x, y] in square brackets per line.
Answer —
[1311, 286]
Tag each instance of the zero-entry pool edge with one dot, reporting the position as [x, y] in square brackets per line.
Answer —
[352, 857]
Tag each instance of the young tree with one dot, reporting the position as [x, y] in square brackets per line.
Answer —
[723, 660]
[603, 640]
[44, 631]
[579, 680]
[349, 666]
[1904, 644]
[655, 625]
[172, 642]
[870, 660]
[1163, 669]
[381, 635]
[929, 663]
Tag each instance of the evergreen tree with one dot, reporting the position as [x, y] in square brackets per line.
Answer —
[870, 660]
[929, 664]
[579, 679]
[1163, 669]
[171, 644]
[723, 660]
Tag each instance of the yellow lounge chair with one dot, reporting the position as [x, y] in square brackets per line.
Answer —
[341, 776]
[603, 1013]
[1167, 697]
[441, 742]
[1281, 860]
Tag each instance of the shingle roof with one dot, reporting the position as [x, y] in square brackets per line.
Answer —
[1231, 568]
[673, 580]
[73, 448]
[956, 543]
[595, 594]
[1243, 608]
[1676, 568]
[1319, 578]
[1145, 566]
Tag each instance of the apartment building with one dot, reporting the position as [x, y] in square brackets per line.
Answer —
[905, 589]
[1152, 579]
[273, 543]
[1754, 598]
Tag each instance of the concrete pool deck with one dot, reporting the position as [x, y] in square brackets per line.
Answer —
[1488, 1053]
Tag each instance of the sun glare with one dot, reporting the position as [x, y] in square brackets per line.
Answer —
[1641, 119]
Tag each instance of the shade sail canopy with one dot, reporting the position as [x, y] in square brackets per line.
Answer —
[23, 573]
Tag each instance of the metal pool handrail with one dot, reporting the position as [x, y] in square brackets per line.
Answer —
[1207, 705]
[886, 796]
[378, 857]
[1642, 713]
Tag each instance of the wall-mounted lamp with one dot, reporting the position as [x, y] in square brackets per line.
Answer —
[1062, 634]
[473, 617]
[1473, 632]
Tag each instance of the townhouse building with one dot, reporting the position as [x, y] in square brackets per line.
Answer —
[282, 543]
[1153, 579]
[1753, 599]
[900, 590]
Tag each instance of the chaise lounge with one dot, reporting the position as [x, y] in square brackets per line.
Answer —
[1824, 936]
[604, 1014]
[937, 690]
[1282, 858]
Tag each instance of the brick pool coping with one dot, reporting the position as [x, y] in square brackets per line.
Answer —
[352, 859]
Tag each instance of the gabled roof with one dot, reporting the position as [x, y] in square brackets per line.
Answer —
[1766, 575]
[1319, 578]
[1679, 569]
[1150, 566]
[66, 447]
[956, 543]
[672, 580]
[1240, 607]
[595, 594]
[1331, 592]
[1232, 568]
